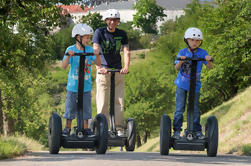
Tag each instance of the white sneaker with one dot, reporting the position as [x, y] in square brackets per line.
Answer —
[120, 133]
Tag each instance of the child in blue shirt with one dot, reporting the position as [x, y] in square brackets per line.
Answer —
[193, 38]
[82, 33]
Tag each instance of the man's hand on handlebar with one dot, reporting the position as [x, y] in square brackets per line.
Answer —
[124, 70]
[102, 71]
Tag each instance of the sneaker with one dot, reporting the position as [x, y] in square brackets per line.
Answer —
[121, 133]
[176, 135]
[199, 135]
[88, 132]
[66, 131]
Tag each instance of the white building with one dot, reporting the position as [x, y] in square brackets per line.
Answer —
[124, 8]
[172, 8]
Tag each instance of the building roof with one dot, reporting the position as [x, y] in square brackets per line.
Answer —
[115, 5]
[173, 4]
[74, 8]
[120, 5]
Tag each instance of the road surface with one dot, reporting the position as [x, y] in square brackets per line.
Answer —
[87, 158]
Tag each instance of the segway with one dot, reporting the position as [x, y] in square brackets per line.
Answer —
[129, 139]
[78, 139]
[189, 141]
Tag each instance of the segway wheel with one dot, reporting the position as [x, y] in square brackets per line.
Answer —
[212, 135]
[101, 132]
[165, 134]
[131, 135]
[54, 133]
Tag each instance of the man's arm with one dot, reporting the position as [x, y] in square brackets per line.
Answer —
[96, 52]
[98, 61]
[126, 60]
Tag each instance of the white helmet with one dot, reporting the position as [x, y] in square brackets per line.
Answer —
[111, 13]
[193, 33]
[81, 29]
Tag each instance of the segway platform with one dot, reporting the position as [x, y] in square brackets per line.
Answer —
[74, 141]
[115, 140]
[185, 144]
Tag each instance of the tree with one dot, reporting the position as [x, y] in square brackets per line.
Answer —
[133, 35]
[228, 38]
[60, 41]
[147, 15]
[94, 20]
[146, 97]
[24, 55]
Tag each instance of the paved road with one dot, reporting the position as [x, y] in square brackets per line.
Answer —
[79, 158]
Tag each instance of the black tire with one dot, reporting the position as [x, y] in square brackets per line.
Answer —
[212, 135]
[54, 133]
[101, 132]
[165, 134]
[131, 135]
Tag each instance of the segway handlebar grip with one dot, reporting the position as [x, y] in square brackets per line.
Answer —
[112, 71]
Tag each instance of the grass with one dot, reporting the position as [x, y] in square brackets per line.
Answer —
[246, 149]
[234, 118]
[10, 148]
[16, 146]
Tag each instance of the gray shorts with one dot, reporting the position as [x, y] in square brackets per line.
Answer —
[71, 105]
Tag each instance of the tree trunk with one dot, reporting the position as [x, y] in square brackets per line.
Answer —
[8, 122]
[8, 125]
[138, 140]
[1, 114]
[145, 137]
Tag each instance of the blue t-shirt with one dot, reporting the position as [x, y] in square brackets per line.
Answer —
[72, 83]
[183, 78]
[110, 43]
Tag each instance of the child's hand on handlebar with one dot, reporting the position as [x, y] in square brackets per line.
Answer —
[182, 57]
[208, 58]
[71, 53]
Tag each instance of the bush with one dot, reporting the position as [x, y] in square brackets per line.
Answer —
[133, 35]
[246, 149]
[146, 40]
[10, 148]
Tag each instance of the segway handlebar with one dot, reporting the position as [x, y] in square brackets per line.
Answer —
[112, 71]
[192, 59]
[81, 54]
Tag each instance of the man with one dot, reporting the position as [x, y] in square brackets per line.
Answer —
[108, 41]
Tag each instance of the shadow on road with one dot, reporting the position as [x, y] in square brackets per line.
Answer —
[134, 156]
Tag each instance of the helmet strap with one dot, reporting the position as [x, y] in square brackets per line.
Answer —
[193, 50]
[80, 42]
